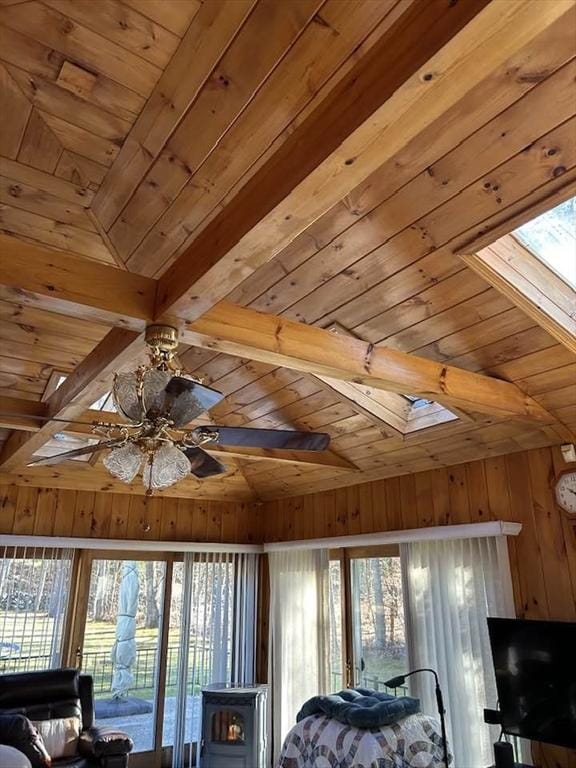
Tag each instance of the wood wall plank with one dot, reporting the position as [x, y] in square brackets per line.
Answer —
[89, 514]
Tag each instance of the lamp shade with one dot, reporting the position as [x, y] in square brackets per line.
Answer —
[168, 465]
[124, 462]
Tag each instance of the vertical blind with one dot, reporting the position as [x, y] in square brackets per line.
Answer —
[217, 640]
[34, 590]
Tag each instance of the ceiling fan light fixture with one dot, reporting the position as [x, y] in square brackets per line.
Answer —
[165, 467]
[161, 401]
[137, 392]
[124, 462]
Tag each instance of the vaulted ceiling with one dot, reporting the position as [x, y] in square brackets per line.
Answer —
[354, 166]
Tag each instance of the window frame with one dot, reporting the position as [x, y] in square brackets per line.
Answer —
[345, 555]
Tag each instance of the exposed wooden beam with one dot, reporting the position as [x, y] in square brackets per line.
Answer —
[510, 268]
[371, 403]
[387, 410]
[335, 148]
[64, 283]
[385, 100]
[89, 381]
[384, 408]
[275, 340]
[19, 414]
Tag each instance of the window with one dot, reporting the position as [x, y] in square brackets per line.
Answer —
[379, 640]
[366, 618]
[336, 650]
[551, 237]
[34, 589]
[121, 643]
[210, 641]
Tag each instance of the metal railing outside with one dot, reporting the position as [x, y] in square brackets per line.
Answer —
[373, 682]
[99, 665]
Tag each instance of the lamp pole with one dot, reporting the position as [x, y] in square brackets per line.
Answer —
[395, 682]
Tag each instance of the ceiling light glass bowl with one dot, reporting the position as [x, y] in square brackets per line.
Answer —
[165, 467]
[124, 462]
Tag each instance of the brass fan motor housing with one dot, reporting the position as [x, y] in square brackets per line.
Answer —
[162, 337]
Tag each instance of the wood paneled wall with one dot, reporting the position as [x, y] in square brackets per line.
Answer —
[517, 487]
[56, 512]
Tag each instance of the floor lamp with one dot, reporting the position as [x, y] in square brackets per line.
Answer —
[396, 682]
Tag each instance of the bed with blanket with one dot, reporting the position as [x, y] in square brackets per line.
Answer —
[362, 729]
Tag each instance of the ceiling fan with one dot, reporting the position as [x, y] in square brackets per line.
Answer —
[158, 401]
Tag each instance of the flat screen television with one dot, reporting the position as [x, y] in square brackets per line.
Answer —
[535, 665]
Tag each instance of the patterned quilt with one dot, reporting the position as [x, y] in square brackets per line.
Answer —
[321, 742]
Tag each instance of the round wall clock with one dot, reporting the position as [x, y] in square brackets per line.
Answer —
[566, 491]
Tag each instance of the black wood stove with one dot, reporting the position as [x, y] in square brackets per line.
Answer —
[234, 726]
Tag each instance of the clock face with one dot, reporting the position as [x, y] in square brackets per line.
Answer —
[566, 492]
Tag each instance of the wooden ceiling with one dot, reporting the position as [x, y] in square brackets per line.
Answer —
[343, 164]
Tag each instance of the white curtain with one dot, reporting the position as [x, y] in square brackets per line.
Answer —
[450, 588]
[299, 634]
[218, 615]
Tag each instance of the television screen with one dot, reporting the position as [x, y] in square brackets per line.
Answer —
[535, 664]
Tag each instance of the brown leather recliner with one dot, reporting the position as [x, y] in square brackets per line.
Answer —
[54, 695]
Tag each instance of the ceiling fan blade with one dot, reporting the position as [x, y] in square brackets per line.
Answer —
[32, 417]
[203, 465]
[182, 400]
[76, 452]
[268, 438]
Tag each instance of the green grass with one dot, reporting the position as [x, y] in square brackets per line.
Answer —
[34, 640]
[383, 667]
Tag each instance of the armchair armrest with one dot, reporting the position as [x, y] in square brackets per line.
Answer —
[102, 741]
[18, 732]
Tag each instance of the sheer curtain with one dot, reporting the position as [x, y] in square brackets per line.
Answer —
[299, 634]
[450, 588]
[216, 643]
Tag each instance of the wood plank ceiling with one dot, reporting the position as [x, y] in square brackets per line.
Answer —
[129, 129]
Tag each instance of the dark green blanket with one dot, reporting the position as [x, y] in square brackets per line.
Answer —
[361, 708]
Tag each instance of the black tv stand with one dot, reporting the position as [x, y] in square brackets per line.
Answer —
[503, 752]
[516, 765]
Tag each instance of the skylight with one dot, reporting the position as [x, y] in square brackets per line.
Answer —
[552, 238]
[417, 402]
[104, 403]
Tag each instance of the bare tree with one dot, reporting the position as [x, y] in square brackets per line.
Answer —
[379, 613]
[152, 614]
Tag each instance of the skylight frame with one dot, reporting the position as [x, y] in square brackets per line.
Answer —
[544, 245]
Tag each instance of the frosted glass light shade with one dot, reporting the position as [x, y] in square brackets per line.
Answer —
[125, 391]
[169, 466]
[124, 462]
